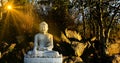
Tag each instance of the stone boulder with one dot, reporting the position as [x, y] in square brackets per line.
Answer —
[113, 49]
[72, 59]
[79, 47]
[116, 59]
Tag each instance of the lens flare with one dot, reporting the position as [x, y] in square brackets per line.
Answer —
[18, 18]
[9, 7]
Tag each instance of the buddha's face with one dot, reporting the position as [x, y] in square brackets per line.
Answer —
[43, 27]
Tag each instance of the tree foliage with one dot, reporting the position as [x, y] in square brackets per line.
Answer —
[100, 20]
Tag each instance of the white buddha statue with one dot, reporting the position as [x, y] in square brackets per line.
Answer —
[43, 43]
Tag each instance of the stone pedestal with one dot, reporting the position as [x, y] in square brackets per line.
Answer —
[43, 60]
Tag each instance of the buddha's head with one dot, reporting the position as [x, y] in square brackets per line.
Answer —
[43, 27]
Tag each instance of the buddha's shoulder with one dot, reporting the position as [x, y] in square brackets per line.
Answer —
[40, 34]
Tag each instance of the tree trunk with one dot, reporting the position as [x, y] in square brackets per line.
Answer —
[102, 33]
[83, 22]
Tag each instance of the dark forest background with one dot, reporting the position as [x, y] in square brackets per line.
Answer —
[98, 30]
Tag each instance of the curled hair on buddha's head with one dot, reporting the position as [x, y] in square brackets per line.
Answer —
[43, 23]
[43, 26]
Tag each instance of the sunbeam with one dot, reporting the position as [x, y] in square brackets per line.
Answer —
[20, 18]
[5, 25]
